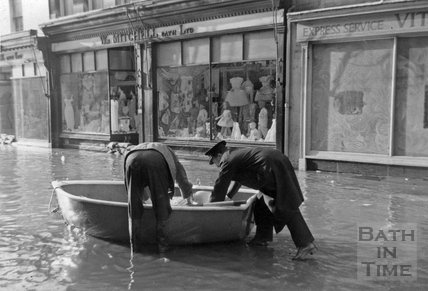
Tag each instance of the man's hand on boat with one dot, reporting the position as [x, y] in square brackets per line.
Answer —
[188, 201]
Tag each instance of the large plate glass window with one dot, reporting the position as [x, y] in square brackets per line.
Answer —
[351, 97]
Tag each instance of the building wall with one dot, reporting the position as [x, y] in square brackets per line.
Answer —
[34, 12]
[5, 18]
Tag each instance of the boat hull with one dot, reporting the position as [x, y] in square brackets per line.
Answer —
[100, 208]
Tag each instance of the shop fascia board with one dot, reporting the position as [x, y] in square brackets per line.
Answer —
[157, 15]
[356, 10]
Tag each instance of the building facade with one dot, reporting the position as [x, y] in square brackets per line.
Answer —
[24, 99]
[187, 73]
[357, 73]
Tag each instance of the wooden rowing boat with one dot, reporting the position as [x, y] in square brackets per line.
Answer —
[100, 208]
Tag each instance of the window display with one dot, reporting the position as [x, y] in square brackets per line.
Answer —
[84, 102]
[351, 97]
[233, 98]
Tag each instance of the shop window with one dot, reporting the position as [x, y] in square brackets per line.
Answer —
[88, 61]
[231, 99]
[244, 101]
[259, 45]
[76, 62]
[121, 59]
[101, 60]
[196, 51]
[123, 97]
[351, 97]
[227, 48]
[85, 105]
[410, 118]
[183, 104]
[169, 54]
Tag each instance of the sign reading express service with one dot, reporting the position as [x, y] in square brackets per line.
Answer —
[395, 23]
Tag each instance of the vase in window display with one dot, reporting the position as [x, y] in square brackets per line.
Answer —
[237, 97]
[114, 113]
[266, 92]
[271, 134]
[69, 113]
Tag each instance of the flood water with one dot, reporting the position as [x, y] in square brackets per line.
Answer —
[39, 252]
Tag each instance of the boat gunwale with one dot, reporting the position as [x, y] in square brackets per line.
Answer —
[57, 186]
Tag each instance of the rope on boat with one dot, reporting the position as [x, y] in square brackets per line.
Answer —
[50, 202]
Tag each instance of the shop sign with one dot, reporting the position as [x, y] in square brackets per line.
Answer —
[404, 22]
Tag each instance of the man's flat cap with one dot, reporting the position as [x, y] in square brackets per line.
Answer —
[217, 148]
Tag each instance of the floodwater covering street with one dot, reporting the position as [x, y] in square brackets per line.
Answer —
[39, 252]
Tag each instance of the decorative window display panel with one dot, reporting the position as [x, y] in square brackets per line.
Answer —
[411, 104]
[351, 97]
[88, 61]
[85, 105]
[183, 104]
[101, 60]
[65, 63]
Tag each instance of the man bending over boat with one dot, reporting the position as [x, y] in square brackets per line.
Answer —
[151, 170]
[270, 172]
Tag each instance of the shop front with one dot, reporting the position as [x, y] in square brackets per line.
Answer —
[217, 80]
[24, 103]
[363, 88]
[189, 78]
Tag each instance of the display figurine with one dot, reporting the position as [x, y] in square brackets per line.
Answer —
[263, 119]
[225, 120]
[69, 113]
[254, 133]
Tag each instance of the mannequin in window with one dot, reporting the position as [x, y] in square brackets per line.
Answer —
[266, 92]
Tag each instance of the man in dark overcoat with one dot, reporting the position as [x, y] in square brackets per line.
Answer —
[151, 169]
[270, 172]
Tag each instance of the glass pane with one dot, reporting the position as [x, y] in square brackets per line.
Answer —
[183, 102]
[243, 101]
[123, 105]
[121, 59]
[88, 61]
[351, 92]
[101, 60]
[196, 51]
[85, 105]
[259, 45]
[227, 48]
[411, 105]
[169, 54]
[76, 62]
[65, 63]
